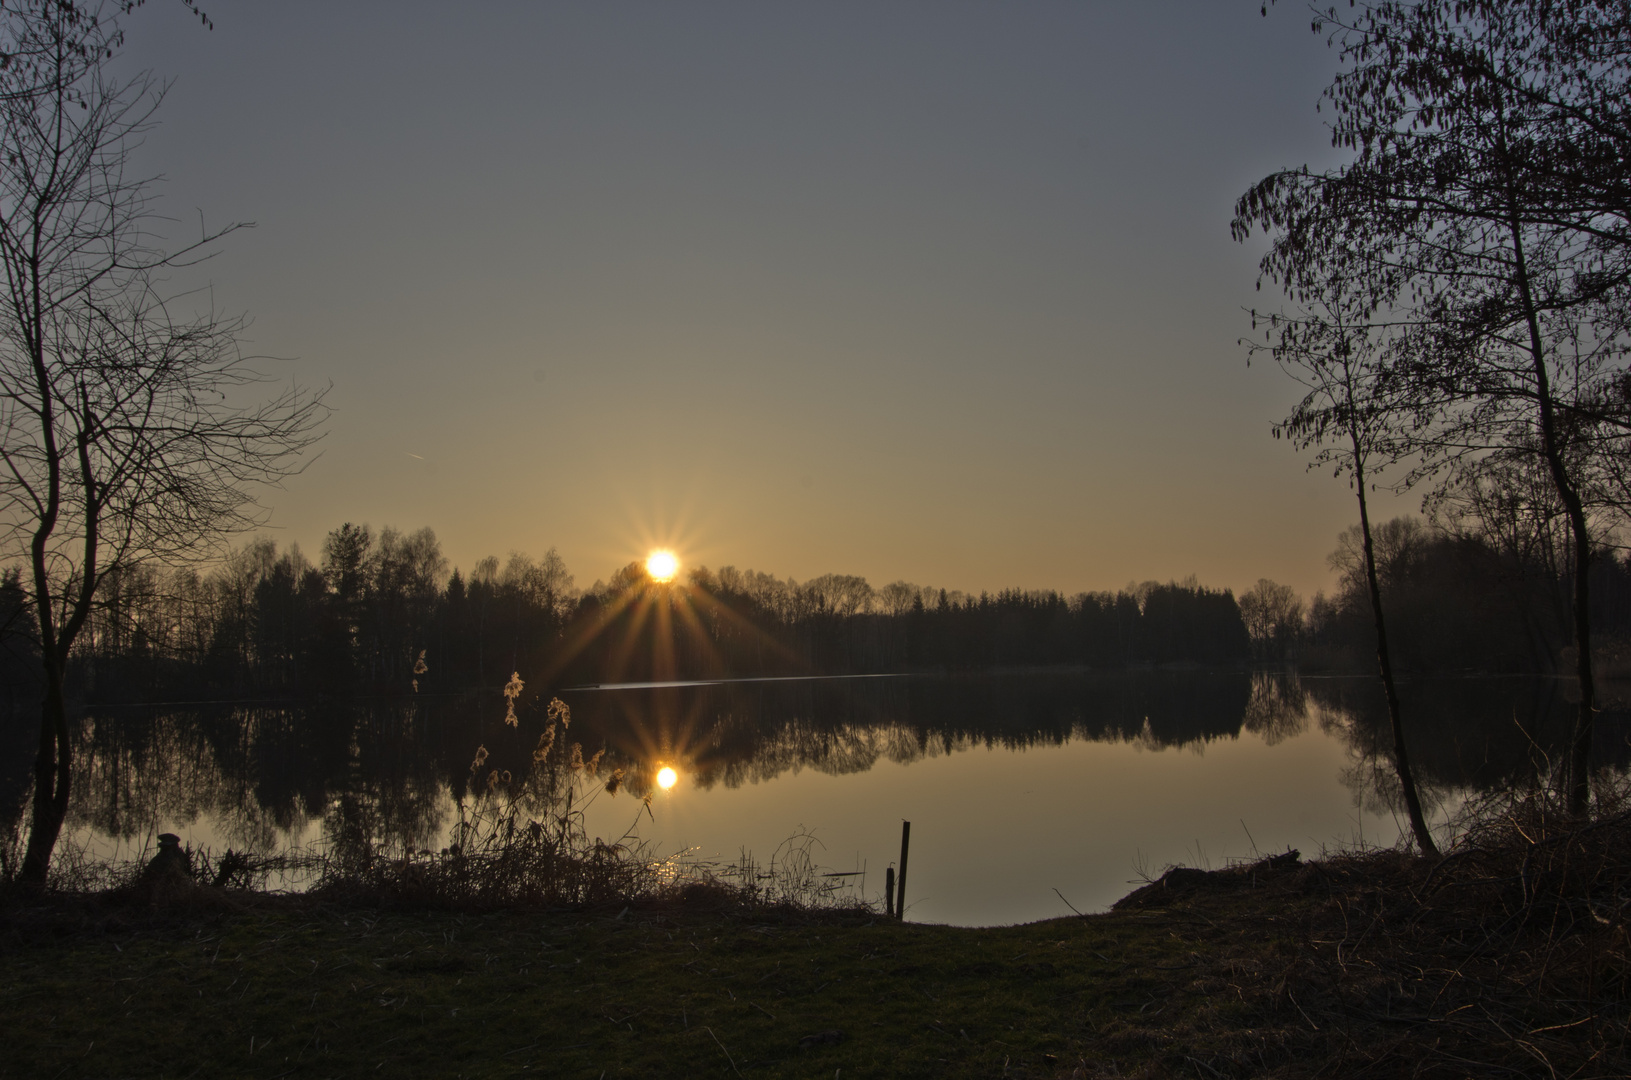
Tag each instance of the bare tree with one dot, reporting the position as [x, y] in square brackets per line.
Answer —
[837, 594]
[1486, 200]
[897, 597]
[1349, 420]
[1273, 615]
[124, 432]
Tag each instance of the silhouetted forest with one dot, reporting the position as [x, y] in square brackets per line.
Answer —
[384, 613]
[1456, 600]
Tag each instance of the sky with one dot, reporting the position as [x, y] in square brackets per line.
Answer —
[936, 292]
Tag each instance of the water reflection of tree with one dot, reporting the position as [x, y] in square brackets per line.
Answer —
[835, 751]
[1372, 778]
[406, 814]
[135, 771]
[1476, 736]
[390, 773]
[260, 775]
[17, 745]
[740, 733]
[1278, 707]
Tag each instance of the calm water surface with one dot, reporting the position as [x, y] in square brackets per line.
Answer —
[1024, 791]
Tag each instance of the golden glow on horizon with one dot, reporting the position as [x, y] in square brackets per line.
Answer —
[666, 777]
[662, 565]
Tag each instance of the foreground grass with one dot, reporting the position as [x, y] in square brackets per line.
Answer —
[330, 993]
[285, 990]
[1360, 966]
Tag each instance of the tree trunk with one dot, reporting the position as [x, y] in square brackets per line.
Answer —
[53, 772]
[1579, 764]
[1580, 746]
[1401, 758]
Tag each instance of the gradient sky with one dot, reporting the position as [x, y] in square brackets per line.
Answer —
[942, 292]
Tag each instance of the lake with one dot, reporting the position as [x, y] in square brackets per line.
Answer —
[1029, 794]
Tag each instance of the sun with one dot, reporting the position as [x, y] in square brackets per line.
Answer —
[666, 777]
[662, 565]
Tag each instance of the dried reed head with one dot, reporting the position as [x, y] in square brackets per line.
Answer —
[512, 692]
[546, 742]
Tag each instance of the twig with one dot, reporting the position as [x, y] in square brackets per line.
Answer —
[1310, 1020]
[1068, 904]
[1560, 1027]
[722, 1049]
[1199, 1064]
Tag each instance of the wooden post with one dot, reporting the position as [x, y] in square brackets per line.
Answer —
[889, 892]
[905, 843]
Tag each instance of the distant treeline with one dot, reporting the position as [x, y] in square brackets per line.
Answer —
[1483, 600]
[383, 612]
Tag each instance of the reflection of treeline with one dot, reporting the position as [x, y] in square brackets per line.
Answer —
[264, 773]
[1474, 736]
[1481, 734]
[1456, 598]
[388, 770]
[383, 612]
[735, 732]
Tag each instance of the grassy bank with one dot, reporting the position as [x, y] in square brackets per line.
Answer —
[1510, 957]
[311, 991]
